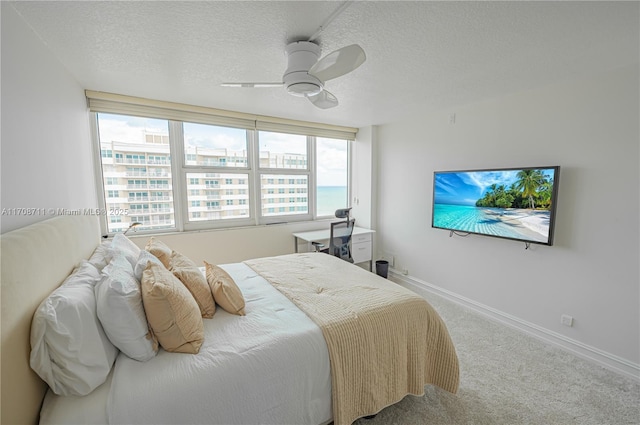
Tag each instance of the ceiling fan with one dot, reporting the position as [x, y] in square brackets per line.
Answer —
[306, 74]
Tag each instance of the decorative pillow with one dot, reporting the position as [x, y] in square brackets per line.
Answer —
[225, 291]
[120, 310]
[191, 276]
[69, 349]
[141, 264]
[100, 257]
[123, 244]
[160, 250]
[172, 312]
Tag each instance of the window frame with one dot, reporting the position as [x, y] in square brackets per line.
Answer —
[179, 167]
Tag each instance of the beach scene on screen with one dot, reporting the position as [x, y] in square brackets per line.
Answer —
[507, 203]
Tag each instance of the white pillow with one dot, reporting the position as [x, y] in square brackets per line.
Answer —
[69, 349]
[144, 257]
[100, 257]
[120, 310]
[123, 244]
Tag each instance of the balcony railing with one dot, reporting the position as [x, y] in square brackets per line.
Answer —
[130, 161]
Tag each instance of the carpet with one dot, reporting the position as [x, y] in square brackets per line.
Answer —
[508, 377]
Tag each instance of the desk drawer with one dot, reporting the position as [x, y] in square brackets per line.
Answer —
[361, 251]
[366, 237]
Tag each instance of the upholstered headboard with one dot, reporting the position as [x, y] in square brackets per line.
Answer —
[34, 261]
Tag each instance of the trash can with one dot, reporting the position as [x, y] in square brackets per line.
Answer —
[382, 268]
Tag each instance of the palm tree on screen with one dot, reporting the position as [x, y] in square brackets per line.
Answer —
[528, 183]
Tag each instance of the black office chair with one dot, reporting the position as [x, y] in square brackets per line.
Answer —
[339, 240]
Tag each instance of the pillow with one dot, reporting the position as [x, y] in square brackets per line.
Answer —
[69, 349]
[120, 310]
[224, 289]
[191, 276]
[172, 312]
[160, 250]
[123, 244]
[141, 264]
[100, 257]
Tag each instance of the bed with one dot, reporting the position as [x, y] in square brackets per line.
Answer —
[276, 364]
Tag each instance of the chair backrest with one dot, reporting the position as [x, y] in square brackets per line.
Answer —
[340, 239]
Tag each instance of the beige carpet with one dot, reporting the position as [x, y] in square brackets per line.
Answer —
[510, 378]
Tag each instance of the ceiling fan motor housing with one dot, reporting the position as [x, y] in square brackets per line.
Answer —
[302, 55]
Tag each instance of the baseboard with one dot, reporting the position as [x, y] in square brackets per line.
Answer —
[607, 360]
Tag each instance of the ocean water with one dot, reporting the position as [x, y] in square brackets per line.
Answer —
[331, 198]
[488, 221]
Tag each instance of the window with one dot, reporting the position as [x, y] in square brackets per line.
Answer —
[211, 145]
[125, 137]
[332, 171]
[224, 171]
[280, 150]
[138, 196]
[284, 153]
[222, 190]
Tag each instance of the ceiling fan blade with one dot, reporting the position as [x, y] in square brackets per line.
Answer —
[338, 63]
[251, 84]
[324, 100]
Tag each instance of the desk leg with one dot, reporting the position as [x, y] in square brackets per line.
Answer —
[295, 241]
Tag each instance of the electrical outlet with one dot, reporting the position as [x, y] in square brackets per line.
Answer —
[566, 320]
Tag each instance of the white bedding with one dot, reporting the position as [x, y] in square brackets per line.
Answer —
[268, 367]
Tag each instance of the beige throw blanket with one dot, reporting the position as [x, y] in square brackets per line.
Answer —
[384, 341]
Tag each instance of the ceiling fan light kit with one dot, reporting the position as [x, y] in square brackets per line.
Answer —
[302, 55]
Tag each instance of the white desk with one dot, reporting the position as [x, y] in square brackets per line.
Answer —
[361, 242]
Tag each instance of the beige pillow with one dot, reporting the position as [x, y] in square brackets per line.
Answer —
[224, 289]
[160, 250]
[171, 311]
[191, 276]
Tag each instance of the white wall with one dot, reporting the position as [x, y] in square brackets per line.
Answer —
[46, 145]
[591, 129]
[223, 246]
[363, 183]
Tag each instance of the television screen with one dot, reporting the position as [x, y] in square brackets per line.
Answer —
[512, 203]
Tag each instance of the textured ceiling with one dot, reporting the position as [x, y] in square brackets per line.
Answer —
[421, 56]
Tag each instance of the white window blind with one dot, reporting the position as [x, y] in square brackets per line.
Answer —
[130, 105]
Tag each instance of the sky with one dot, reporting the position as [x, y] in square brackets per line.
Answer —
[466, 187]
[332, 154]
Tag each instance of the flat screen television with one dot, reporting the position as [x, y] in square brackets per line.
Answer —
[511, 203]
